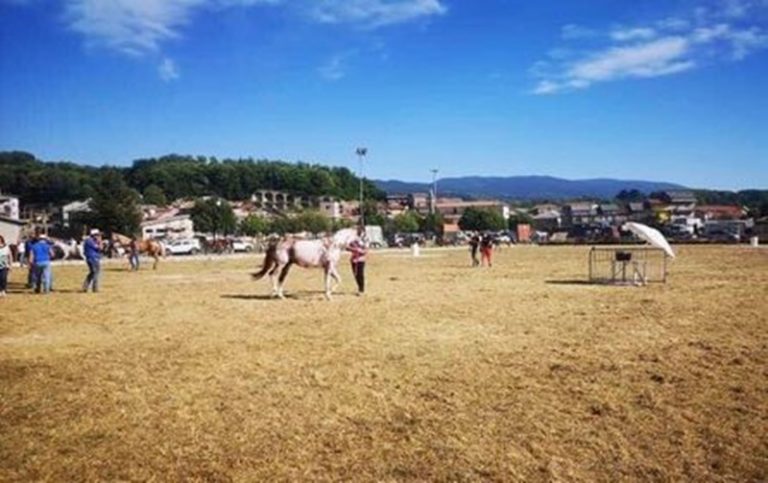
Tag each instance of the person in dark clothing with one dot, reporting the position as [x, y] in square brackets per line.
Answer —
[359, 249]
[133, 254]
[474, 243]
[92, 249]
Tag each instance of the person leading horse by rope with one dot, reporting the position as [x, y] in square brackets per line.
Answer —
[359, 249]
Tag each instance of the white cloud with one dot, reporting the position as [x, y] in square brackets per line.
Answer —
[143, 27]
[640, 33]
[130, 26]
[659, 57]
[168, 70]
[138, 27]
[572, 31]
[665, 47]
[335, 68]
[375, 13]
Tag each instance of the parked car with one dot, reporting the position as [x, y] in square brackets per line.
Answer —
[241, 245]
[189, 246]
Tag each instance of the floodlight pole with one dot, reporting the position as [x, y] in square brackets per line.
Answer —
[361, 153]
[434, 190]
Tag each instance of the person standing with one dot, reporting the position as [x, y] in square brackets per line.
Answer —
[486, 248]
[27, 250]
[92, 249]
[359, 249]
[474, 242]
[6, 262]
[40, 261]
[133, 254]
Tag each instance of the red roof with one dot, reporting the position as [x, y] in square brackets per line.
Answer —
[721, 211]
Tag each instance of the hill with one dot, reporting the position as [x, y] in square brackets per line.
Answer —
[528, 187]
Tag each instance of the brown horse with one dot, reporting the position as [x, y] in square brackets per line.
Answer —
[153, 248]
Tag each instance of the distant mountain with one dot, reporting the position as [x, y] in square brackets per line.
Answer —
[527, 187]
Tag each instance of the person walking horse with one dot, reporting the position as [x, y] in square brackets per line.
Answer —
[359, 249]
[92, 249]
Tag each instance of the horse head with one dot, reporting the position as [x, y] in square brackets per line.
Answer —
[344, 237]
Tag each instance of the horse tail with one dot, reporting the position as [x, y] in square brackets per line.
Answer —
[270, 259]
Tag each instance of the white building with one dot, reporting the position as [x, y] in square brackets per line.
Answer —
[169, 227]
[71, 209]
[9, 206]
[11, 229]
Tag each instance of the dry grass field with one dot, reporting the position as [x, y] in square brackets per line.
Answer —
[441, 372]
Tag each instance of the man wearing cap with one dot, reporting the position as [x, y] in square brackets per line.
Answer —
[92, 253]
[40, 261]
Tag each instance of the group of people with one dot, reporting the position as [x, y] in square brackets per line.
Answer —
[484, 244]
[37, 253]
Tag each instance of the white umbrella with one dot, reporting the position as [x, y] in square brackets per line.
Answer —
[651, 235]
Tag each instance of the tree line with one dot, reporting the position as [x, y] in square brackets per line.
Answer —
[171, 177]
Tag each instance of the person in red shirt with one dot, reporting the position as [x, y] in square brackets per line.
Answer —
[359, 249]
[486, 248]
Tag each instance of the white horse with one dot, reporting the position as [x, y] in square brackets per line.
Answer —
[324, 253]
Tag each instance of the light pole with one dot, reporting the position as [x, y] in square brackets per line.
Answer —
[434, 190]
[361, 153]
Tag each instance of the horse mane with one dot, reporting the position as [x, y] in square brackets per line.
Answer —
[120, 238]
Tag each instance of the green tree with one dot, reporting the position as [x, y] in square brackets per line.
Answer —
[284, 225]
[371, 213]
[433, 222]
[154, 195]
[407, 222]
[254, 225]
[519, 218]
[632, 195]
[213, 215]
[313, 222]
[477, 219]
[115, 206]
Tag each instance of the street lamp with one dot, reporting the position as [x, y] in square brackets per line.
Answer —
[434, 189]
[361, 153]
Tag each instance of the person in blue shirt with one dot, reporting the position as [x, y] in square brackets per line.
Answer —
[92, 253]
[40, 261]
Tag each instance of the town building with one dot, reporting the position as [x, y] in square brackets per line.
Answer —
[71, 211]
[11, 229]
[9, 206]
[171, 224]
[720, 212]
[453, 208]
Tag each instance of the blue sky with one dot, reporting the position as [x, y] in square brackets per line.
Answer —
[671, 90]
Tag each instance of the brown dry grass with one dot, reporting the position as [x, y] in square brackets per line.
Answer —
[440, 373]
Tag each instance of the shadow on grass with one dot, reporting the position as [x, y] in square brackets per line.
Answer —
[570, 282]
[297, 295]
[251, 297]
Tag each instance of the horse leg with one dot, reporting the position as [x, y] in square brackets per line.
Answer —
[281, 281]
[328, 289]
[336, 277]
[273, 278]
[156, 256]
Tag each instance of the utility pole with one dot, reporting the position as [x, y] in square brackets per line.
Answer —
[361, 153]
[434, 190]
